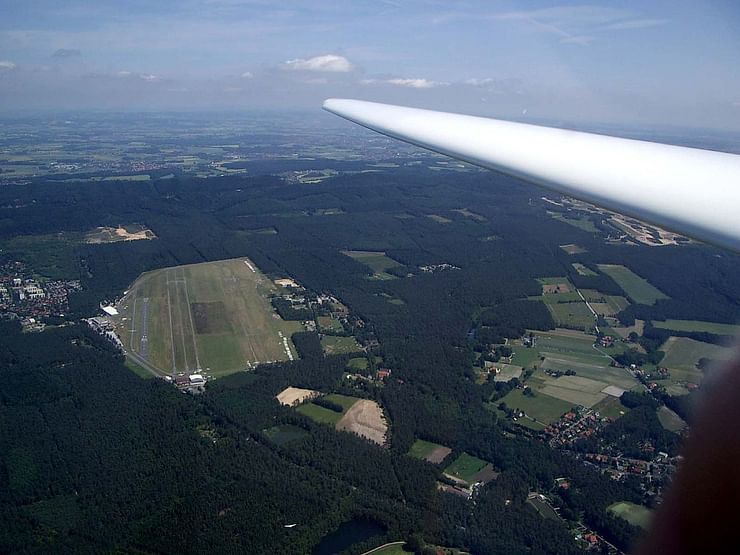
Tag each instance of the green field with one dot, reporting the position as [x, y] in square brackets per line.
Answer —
[637, 515]
[140, 371]
[422, 449]
[214, 317]
[582, 269]
[543, 408]
[327, 416]
[682, 354]
[606, 305]
[378, 262]
[670, 420]
[337, 345]
[637, 288]
[466, 467]
[697, 326]
[525, 356]
[582, 222]
[574, 315]
[330, 323]
[358, 363]
[573, 343]
[320, 414]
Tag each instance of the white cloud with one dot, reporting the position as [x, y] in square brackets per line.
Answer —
[329, 62]
[5, 64]
[477, 82]
[416, 83]
[148, 77]
[247, 75]
[410, 83]
[124, 74]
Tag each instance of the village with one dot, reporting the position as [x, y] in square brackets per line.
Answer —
[32, 301]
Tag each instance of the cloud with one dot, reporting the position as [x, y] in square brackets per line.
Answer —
[148, 77]
[636, 24]
[476, 82]
[331, 63]
[66, 53]
[6, 65]
[123, 74]
[410, 83]
[247, 75]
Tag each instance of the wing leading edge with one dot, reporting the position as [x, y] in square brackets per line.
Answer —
[687, 190]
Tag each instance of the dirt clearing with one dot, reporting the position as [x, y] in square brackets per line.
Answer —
[365, 418]
[293, 396]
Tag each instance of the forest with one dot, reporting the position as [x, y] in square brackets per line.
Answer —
[81, 435]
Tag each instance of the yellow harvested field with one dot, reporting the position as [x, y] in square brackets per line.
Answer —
[366, 419]
[292, 396]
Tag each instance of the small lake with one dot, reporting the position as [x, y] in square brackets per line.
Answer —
[347, 534]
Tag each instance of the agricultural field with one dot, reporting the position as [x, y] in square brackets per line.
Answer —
[319, 414]
[697, 326]
[329, 323]
[327, 416]
[638, 289]
[338, 345]
[508, 372]
[366, 419]
[378, 262]
[543, 408]
[582, 222]
[360, 416]
[574, 344]
[214, 317]
[428, 451]
[357, 363]
[637, 515]
[466, 468]
[574, 315]
[682, 355]
[670, 420]
[583, 270]
[606, 305]
[611, 407]
[292, 396]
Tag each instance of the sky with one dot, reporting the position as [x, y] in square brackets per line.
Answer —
[625, 62]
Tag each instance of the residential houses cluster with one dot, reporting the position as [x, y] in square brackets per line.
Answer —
[30, 300]
[574, 425]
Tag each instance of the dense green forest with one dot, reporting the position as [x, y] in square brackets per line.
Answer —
[94, 459]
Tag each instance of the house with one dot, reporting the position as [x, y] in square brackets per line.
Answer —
[382, 373]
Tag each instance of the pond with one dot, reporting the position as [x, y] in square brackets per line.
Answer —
[347, 534]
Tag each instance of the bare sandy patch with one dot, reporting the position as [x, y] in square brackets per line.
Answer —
[365, 418]
[292, 396]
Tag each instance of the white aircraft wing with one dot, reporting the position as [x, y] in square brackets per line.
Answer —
[687, 190]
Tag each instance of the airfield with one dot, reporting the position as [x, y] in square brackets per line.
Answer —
[213, 317]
